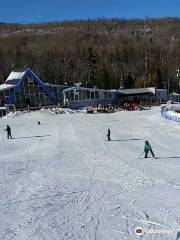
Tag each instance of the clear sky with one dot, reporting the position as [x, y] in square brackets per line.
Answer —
[23, 11]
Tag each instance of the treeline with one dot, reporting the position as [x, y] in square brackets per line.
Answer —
[104, 53]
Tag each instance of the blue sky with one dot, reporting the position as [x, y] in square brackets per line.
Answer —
[23, 11]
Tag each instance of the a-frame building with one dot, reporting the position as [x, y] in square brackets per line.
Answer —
[25, 88]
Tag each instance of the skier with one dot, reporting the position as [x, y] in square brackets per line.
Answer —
[39, 123]
[147, 148]
[109, 135]
[8, 129]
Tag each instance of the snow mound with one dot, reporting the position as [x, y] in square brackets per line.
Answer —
[171, 115]
[171, 112]
[14, 114]
[65, 111]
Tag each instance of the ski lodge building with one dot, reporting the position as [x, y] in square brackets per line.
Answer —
[25, 89]
[140, 95]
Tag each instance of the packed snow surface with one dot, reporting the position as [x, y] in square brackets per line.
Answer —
[63, 179]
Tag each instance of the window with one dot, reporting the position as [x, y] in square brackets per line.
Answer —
[7, 92]
[31, 88]
[84, 94]
[2, 93]
[50, 88]
[109, 94]
[21, 91]
[92, 95]
[42, 98]
[105, 94]
[96, 94]
[26, 89]
[72, 95]
[30, 82]
[17, 99]
[67, 94]
[36, 90]
[11, 90]
[80, 95]
[55, 89]
[87, 94]
[76, 97]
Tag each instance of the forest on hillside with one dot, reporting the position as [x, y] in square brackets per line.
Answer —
[107, 53]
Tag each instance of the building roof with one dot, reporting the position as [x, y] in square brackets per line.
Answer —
[17, 78]
[6, 86]
[84, 88]
[3, 108]
[132, 91]
[14, 77]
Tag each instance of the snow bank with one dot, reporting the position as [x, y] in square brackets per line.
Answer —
[171, 112]
[14, 114]
[65, 111]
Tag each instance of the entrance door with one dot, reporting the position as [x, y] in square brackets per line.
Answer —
[28, 101]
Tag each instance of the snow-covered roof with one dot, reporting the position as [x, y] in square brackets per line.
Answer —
[55, 85]
[121, 91]
[6, 86]
[3, 108]
[83, 88]
[79, 84]
[14, 77]
[136, 91]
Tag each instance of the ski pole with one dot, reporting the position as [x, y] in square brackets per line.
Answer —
[140, 155]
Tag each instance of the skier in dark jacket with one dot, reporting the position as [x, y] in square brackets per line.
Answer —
[147, 148]
[109, 135]
[8, 129]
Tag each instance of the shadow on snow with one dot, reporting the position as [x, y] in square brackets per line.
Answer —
[37, 136]
[124, 140]
[168, 157]
[175, 157]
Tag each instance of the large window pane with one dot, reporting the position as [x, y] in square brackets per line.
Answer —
[87, 94]
[92, 95]
[80, 95]
[96, 94]
[105, 94]
[72, 95]
[109, 94]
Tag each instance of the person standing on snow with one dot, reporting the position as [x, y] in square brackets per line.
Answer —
[147, 148]
[109, 135]
[8, 129]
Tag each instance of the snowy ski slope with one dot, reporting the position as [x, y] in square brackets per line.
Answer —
[64, 180]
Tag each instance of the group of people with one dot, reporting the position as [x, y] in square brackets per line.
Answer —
[147, 146]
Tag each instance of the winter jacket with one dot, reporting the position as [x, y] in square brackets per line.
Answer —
[147, 147]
